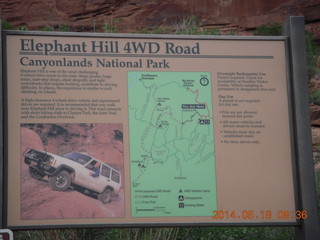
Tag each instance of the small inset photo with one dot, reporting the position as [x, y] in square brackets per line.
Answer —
[71, 171]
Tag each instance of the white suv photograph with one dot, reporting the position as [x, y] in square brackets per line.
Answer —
[75, 170]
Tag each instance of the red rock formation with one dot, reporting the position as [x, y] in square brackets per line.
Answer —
[90, 15]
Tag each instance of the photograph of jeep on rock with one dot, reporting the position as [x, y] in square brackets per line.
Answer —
[75, 169]
[71, 170]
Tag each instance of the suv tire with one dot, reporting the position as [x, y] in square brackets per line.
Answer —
[34, 174]
[105, 196]
[60, 181]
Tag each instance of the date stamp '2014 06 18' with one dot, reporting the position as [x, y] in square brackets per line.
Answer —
[262, 215]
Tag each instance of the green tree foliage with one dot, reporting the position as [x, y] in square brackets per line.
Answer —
[314, 97]
[6, 25]
[271, 29]
[212, 31]
[186, 26]
[59, 28]
[64, 28]
[182, 233]
[155, 30]
[22, 28]
[313, 55]
[190, 26]
[111, 26]
[47, 29]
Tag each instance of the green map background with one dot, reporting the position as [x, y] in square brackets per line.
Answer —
[171, 154]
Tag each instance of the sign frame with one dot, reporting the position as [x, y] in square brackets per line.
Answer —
[299, 129]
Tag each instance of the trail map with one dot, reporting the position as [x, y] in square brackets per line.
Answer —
[171, 144]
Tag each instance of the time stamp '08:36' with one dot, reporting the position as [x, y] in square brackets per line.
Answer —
[262, 215]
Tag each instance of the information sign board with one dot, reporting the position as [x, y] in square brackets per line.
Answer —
[136, 129]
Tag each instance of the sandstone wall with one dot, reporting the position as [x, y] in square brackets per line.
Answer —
[133, 15]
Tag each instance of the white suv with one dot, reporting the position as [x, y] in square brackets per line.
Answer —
[77, 169]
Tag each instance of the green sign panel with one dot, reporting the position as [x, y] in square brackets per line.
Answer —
[171, 144]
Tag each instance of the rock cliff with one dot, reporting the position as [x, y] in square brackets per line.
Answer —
[133, 15]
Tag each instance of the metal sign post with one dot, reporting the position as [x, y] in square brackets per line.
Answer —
[294, 29]
[1, 132]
